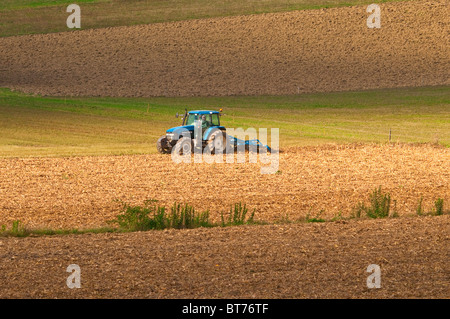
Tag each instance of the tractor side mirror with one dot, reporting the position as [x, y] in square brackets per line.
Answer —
[177, 115]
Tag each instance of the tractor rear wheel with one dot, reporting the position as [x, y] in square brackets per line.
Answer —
[218, 141]
[163, 146]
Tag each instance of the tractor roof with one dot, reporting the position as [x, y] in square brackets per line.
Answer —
[201, 112]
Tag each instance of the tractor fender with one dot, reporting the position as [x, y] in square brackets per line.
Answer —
[181, 131]
[210, 130]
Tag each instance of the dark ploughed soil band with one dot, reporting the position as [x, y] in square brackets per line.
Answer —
[280, 53]
[326, 260]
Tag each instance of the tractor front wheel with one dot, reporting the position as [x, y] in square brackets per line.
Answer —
[184, 146]
[163, 146]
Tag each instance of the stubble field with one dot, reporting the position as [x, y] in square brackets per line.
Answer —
[81, 192]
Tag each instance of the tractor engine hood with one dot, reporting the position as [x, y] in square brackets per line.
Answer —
[174, 133]
[178, 129]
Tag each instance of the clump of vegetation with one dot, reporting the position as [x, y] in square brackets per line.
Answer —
[237, 216]
[439, 207]
[380, 206]
[315, 219]
[186, 217]
[134, 218]
[17, 230]
[153, 216]
[437, 211]
[137, 218]
[419, 209]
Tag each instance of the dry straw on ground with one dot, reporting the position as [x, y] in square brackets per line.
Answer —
[80, 191]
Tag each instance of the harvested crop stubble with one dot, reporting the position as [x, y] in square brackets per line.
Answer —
[80, 191]
[278, 53]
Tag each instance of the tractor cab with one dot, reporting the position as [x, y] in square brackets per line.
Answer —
[208, 118]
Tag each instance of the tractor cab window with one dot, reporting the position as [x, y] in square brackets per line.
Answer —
[191, 119]
[208, 120]
[215, 119]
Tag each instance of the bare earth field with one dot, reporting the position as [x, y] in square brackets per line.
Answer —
[81, 191]
[327, 260]
[278, 53]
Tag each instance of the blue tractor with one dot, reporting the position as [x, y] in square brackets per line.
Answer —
[181, 138]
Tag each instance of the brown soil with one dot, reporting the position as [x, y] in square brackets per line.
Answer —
[80, 191]
[282, 53]
[327, 260]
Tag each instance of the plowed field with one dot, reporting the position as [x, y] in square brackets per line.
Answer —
[326, 260]
[80, 191]
[277, 53]
[269, 54]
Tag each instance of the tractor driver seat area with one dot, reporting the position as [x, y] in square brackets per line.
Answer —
[206, 121]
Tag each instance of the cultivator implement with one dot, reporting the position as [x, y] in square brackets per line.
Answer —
[239, 144]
